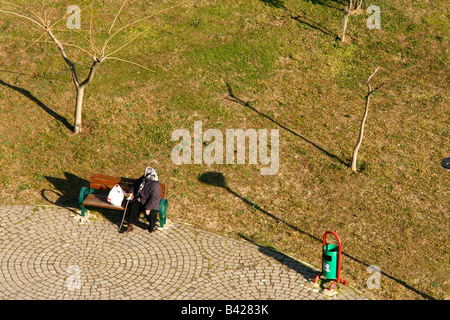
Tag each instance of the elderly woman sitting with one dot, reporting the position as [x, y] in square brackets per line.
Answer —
[146, 196]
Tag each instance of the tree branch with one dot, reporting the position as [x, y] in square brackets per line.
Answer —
[108, 39]
[63, 53]
[25, 17]
[370, 77]
[89, 78]
[33, 15]
[115, 18]
[94, 49]
[35, 41]
[127, 61]
[91, 40]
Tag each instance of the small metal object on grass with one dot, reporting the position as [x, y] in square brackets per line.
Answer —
[446, 164]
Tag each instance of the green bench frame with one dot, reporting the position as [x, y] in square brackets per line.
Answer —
[88, 198]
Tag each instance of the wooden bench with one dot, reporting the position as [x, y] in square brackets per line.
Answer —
[104, 184]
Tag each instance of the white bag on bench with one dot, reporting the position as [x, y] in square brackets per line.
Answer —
[116, 195]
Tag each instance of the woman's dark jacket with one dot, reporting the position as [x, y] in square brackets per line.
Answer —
[150, 195]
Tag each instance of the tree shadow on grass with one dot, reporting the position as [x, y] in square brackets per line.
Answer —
[30, 96]
[217, 179]
[274, 3]
[247, 105]
[335, 4]
[303, 19]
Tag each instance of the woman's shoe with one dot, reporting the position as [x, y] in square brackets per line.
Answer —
[129, 229]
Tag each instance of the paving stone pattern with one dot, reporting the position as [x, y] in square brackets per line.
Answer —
[45, 253]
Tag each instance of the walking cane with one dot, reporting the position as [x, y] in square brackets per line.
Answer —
[124, 212]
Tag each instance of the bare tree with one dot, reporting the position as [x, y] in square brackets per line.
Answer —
[347, 11]
[344, 22]
[361, 130]
[42, 19]
[355, 6]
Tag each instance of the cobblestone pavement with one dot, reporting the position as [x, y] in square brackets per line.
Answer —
[47, 253]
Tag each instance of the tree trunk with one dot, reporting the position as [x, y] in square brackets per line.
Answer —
[344, 23]
[79, 86]
[78, 109]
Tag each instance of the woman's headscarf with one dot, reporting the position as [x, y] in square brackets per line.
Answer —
[149, 175]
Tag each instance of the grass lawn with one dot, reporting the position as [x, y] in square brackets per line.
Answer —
[253, 64]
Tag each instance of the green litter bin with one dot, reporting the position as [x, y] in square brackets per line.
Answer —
[330, 261]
